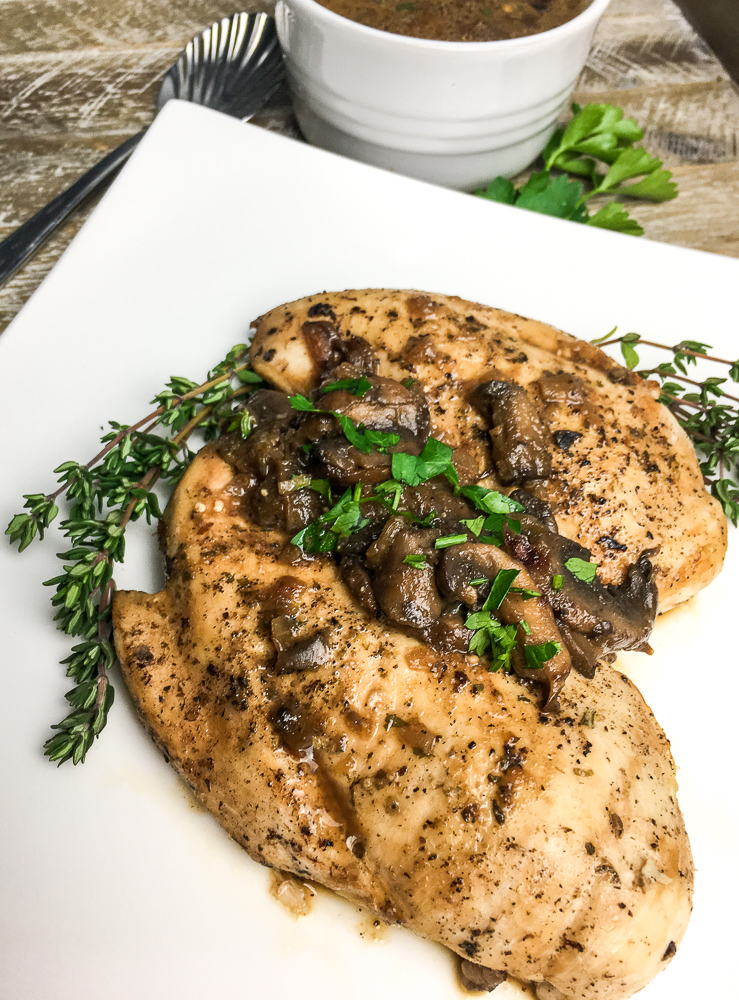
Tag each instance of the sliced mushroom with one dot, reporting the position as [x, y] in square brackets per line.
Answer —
[306, 654]
[519, 437]
[386, 405]
[477, 977]
[345, 464]
[357, 579]
[359, 353]
[540, 509]
[323, 343]
[462, 563]
[598, 619]
[407, 594]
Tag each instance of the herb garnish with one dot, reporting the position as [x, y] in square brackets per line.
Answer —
[498, 507]
[415, 559]
[355, 386]
[597, 134]
[434, 460]
[499, 588]
[323, 534]
[474, 525]
[493, 638]
[581, 570]
[558, 582]
[445, 541]
[708, 415]
[105, 495]
[537, 656]
[365, 439]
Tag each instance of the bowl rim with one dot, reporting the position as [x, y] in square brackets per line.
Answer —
[592, 13]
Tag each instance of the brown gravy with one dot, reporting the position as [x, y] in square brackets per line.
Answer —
[460, 20]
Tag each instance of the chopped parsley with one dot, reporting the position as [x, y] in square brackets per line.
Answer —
[493, 639]
[498, 509]
[476, 525]
[354, 386]
[415, 559]
[365, 439]
[323, 487]
[537, 656]
[499, 588]
[323, 534]
[389, 493]
[581, 570]
[447, 540]
[490, 501]
[434, 460]
[393, 721]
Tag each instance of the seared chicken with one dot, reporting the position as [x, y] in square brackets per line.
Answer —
[327, 709]
[623, 477]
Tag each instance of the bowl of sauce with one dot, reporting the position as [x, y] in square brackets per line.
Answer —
[455, 92]
[460, 20]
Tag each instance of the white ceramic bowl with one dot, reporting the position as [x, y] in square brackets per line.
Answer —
[454, 113]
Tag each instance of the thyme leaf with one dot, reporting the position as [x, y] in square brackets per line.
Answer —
[706, 411]
[100, 499]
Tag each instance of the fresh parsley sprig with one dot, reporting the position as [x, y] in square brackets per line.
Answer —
[104, 496]
[598, 136]
[709, 415]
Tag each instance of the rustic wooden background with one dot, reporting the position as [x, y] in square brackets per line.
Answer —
[78, 76]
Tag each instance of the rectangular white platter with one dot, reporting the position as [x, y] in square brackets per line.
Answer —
[113, 885]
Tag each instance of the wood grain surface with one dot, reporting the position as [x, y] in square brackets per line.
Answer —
[79, 76]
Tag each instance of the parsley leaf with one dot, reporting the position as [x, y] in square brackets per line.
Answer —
[355, 386]
[490, 501]
[323, 534]
[434, 460]
[362, 438]
[475, 526]
[581, 570]
[499, 588]
[596, 134]
[537, 656]
[501, 190]
[365, 439]
[448, 540]
[415, 559]
[389, 493]
[614, 216]
[557, 196]
[303, 404]
[492, 638]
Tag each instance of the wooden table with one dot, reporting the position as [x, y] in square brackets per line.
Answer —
[78, 76]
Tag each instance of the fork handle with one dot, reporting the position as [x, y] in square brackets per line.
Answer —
[19, 246]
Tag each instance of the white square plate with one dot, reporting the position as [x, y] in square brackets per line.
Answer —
[114, 886]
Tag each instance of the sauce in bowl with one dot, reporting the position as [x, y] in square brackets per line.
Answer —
[460, 20]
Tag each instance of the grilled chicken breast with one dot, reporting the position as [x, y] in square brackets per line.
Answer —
[420, 786]
[331, 740]
[624, 478]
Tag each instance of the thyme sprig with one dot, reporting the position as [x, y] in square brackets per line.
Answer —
[102, 497]
[709, 415]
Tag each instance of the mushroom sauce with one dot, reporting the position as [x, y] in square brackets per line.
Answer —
[422, 557]
[460, 20]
